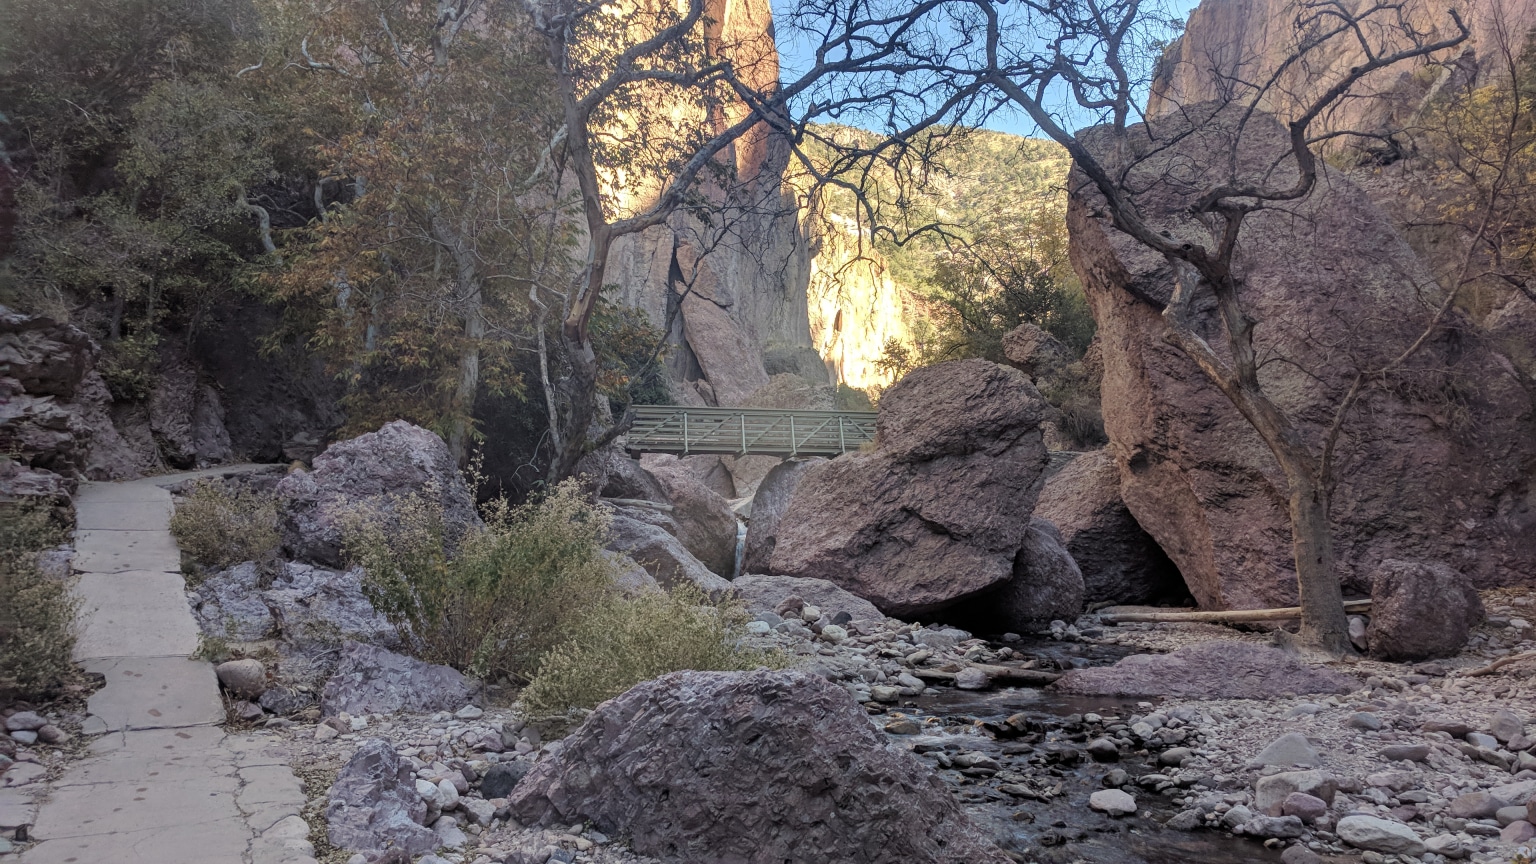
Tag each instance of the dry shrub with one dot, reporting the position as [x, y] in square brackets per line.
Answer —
[219, 526]
[625, 641]
[510, 593]
[37, 611]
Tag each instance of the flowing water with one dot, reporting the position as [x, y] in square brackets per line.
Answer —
[1062, 829]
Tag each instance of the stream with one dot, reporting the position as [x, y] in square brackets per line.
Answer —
[1044, 747]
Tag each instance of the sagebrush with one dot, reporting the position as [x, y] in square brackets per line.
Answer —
[627, 640]
[37, 611]
[510, 592]
[218, 525]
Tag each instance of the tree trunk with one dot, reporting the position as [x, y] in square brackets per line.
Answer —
[581, 396]
[469, 384]
[1323, 622]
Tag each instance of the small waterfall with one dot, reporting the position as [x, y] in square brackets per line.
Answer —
[741, 546]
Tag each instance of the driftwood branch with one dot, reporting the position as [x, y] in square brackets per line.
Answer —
[1236, 616]
[1501, 663]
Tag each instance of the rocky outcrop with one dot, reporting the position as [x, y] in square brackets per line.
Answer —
[371, 473]
[372, 680]
[636, 534]
[1120, 562]
[700, 519]
[939, 510]
[1207, 670]
[1036, 353]
[1433, 466]
[767, 593]
[373, 805]
[303, 606]
[1419, 611]
[754, 767]
[1046, 586]
[768, 505]
[1229, 45]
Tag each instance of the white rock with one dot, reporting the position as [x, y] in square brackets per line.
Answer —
[325, 733]
[1379, 835]
[479, 810]
[1115, 802]
[469, 712]
[428, 791]
[758, 628]
[447, 796]
[833, 633]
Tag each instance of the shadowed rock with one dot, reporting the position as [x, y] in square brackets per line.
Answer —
[370, 471]
[1210, 670]
[768, 506]
[756, 767]
[373, 805]
[939, 511]
[371, 680]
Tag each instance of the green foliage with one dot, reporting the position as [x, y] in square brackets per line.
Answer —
[218, 526]
[630, 351]
[625, 641]
[510, 593]
[128, 366]
[37, 611]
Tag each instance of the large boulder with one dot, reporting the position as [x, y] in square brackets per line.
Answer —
[372, 680]
[1120, 562]
[373, 473]
[1208, 670]
[1420, 611]
[702, 519]
[938, 512]
[1046, 585]
[304, 606]
[765, 593]
[768, 506]
[753, 767]
[1036, 353]
[45, 357]
[1431, 466]
[373, 805]
[635, 533]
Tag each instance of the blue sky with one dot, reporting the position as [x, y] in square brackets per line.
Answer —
[794, 56]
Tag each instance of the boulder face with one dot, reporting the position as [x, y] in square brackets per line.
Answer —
[370, 471]
[768, 506]
[639, 534]
[1120, 562]
[373, 805]
[1432, 467]
[1046, 586]
[701, 518]
[938, 512]
[1208, 670]
[1420, 611]
[766, 593]
[753, 767]
[371, 680]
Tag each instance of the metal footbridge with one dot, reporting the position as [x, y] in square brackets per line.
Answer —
[686, 431]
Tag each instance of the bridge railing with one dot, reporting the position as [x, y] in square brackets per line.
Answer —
[742, 431]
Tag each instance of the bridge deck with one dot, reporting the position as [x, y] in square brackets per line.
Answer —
[688, 431]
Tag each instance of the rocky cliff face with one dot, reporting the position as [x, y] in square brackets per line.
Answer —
[735, 296]
[1227, 42]
[855, 305]
[1436, 463]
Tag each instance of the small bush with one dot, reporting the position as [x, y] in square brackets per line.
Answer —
[129, 367]
[37, 611]
[511, 593]
[625, 641]
[217, 526]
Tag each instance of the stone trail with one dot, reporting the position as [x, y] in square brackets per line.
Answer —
[163, 784]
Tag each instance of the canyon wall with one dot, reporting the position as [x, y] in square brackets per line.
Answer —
[1229, 44]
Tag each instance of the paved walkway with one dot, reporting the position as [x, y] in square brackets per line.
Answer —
[163, 784]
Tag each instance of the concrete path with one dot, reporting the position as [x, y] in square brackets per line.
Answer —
[163, 784]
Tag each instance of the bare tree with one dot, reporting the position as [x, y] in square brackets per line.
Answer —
[1070, 63]
[654, 99]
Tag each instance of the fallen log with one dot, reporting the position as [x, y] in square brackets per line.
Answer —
[1234, 616]
[638, 502]
[1501, 663]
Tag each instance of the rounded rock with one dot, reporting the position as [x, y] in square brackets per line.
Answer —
[1113, 802]
[25, 721]
[246, 679]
